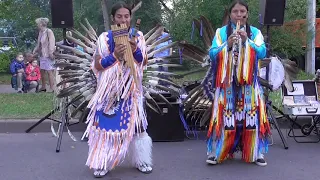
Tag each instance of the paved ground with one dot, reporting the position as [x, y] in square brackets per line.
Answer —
[33, 157]
[6, 89]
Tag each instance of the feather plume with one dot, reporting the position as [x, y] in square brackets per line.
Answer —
[89, 33]
[74, 50]
[148, 34]
[91, 30]
[205, 38]
[85, 39]
[165, 39]
[209, 28]
[78, 42]
[155, 35]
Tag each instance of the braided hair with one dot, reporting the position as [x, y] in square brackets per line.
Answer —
[229, 26]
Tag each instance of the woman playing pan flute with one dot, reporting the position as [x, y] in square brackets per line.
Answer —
[239, 120]
[117, 118]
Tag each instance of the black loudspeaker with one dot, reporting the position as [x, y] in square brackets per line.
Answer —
[62, 13]
[272, 12]
[167, 127]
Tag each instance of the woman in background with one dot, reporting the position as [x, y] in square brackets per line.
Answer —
[44, 49]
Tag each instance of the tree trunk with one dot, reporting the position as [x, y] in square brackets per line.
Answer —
[311, 19]
[106, 20]
[135, 8]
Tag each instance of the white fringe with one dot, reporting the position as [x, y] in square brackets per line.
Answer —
[108, 149]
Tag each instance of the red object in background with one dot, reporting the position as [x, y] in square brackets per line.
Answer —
[37, 77]
[300, 24]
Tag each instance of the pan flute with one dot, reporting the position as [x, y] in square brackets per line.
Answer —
[121, 36]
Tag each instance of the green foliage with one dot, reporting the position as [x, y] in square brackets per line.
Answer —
[23, 26]
[92, 11]
[5, 59]
[4, 62]
[286, 43]
[304, 76]
[150, 14]
[296, 9]
[19, 18]
[185, 11]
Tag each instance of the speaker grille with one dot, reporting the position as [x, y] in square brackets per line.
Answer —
[272, 12]
[62, 13]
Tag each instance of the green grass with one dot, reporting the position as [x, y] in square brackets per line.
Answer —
[31, 105]
[5, 78]
[304, 76]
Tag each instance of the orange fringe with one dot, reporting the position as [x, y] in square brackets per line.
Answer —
[220, 59]
[251, 65]
[211, 123]
[228, 142]
[249, 141]
[219, 121]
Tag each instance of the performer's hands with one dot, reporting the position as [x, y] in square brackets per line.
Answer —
[243, 35]
[232, 38]
[119, 51]
[133, 45]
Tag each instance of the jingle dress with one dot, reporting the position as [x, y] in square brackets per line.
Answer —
[116, 108]
[239, 120]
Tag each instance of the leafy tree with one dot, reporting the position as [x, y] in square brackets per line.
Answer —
[22, 25]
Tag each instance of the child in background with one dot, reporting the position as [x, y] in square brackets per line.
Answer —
[17, 69]
[33, 75]
[28, 58]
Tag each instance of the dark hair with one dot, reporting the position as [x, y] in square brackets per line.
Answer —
[165, 30]
[29, 55]
[229, 27]
[19, 54]
[119, 5]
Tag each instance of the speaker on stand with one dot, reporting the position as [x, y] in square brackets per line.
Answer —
[272, 14]
[62, 15]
